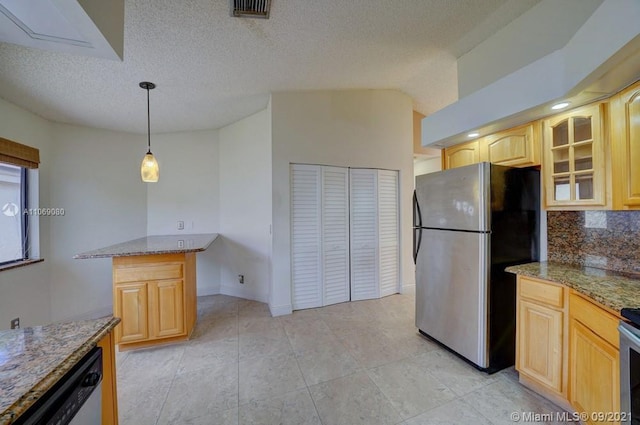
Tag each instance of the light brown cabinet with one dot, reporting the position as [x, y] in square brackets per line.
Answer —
[594, 358]
[155, 298]
[516, 147]
[625, 138]
[461, 155]
[131, 306]
[541, 334]
[109, 390]
[166, 300]
[567, 347]
[574, 165]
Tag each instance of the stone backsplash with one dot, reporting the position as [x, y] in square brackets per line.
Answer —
[603, 239]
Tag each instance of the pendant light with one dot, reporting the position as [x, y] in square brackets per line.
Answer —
[149, 170]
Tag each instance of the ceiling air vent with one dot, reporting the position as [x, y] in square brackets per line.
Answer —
[250, 8]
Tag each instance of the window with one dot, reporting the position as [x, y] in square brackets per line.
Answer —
[17, 162]
[13, 220]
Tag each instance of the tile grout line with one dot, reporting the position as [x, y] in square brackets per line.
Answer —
[303, 377]
[366, 371]
[166, 396]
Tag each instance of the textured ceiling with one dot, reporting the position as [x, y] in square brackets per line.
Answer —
[211, 69]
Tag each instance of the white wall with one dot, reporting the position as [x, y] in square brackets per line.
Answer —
[544, 28]
[96, 179]
[188, 190]
[25, 291]
[245, 206]
[357, 128]
[426, 165]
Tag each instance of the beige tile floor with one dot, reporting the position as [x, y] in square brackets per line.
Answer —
[352, 363]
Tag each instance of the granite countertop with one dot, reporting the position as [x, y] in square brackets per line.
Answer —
[32, 360]
[151, 245]
[611, 289]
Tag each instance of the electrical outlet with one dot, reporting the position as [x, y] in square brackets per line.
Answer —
[180, 225]
[241, 278]
[180, 244]
[15, 323]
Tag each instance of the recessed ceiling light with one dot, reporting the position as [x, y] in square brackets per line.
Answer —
[473, 134]
[560, 105]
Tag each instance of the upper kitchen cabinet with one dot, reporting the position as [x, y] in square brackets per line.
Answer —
[574, 159]
[516, 147]
[625, 142]
[462, 154]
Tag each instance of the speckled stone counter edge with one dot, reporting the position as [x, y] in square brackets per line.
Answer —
[132, 248]
[613, 290]
[136, 253]
[29, 398]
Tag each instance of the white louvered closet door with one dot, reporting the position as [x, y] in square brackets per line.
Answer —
[306, 237]
[364, 235]
[388, 232]
[335, 234]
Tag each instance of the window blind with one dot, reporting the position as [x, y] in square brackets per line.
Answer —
[18, 154]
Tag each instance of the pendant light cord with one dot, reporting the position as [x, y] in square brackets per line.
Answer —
[148, 124]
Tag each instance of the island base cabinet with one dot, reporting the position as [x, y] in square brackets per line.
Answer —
[130, 305]
[155, 298]
[167, 300]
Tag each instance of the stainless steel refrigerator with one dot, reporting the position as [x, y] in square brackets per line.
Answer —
[469, 224]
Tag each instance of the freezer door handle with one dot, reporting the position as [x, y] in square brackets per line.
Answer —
[417, 231]
[417, 214]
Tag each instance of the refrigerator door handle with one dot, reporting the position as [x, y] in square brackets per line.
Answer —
[417, 241]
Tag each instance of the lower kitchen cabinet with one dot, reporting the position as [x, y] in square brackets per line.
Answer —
[131, 306]
[166, 298]
[155, 298]
[567, 347]
[594, 358]
[541, 335]
[109, 393]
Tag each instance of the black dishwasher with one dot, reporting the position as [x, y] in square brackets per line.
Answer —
[74, 399]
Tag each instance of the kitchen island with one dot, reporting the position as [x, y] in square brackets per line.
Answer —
[33, 360]
[154, 287]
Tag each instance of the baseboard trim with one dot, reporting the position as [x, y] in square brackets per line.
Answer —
[281, 310]
[235, 291]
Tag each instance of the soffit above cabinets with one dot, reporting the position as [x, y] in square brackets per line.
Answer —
[84, 27]
[601, 58]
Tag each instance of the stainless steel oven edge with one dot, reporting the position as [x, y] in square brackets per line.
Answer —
[629, 340]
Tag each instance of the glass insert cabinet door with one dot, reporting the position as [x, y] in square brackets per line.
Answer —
[574, 166]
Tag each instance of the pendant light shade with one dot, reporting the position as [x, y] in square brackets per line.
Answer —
[149, 170]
